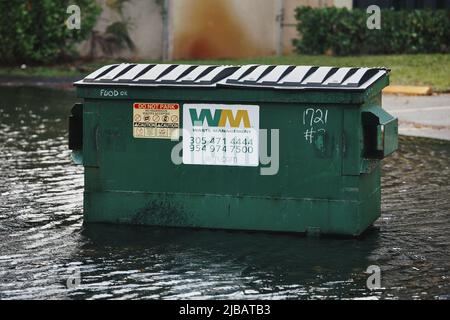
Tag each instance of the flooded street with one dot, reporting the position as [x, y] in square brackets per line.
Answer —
[47, 253]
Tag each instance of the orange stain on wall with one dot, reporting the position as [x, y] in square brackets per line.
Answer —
[210, 29]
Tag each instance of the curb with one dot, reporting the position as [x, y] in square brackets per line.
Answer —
[409, 90]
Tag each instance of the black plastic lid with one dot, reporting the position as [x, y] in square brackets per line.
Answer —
[254, 76]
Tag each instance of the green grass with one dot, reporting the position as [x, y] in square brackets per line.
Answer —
[420, 69]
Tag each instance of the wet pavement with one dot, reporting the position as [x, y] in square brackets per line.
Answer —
[46, 251]
[421, 116]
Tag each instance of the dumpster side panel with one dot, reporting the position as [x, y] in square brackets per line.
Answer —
[369, 210]
[91, 121]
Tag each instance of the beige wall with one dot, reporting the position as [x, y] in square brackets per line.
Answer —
[222, 28]
[343, 3]
[145, 28]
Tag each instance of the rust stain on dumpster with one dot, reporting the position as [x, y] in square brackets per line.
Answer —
[161, 211]
[211, 29]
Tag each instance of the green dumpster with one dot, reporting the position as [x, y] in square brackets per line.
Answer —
[254, 147]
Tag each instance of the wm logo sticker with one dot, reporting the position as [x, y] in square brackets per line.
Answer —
[220, 118]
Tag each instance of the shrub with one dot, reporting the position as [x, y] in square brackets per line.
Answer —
[34, 31]
[340, 31]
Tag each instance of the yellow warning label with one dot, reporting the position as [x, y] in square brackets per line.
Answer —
[156, 120]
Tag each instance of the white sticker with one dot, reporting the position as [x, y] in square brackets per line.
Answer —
[221, 134]
[156, 120]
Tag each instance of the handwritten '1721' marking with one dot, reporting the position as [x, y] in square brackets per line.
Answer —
[314, 117]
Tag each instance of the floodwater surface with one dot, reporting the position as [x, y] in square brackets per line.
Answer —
[46, 252]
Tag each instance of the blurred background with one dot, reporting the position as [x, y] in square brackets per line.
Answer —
[412, 37]
[198, 29]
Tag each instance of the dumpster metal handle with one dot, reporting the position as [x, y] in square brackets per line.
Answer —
[380, 132]
[92, 137]
[76, 133]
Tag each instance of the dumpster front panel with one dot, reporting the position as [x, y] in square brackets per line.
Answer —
[307, 172]
[305, 150]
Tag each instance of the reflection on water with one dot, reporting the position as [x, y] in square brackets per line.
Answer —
[43, 242]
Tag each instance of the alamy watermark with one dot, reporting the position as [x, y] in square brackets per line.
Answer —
[74, 279]
[374, 280]
[73, 22]
[374, 20]
[225, 148]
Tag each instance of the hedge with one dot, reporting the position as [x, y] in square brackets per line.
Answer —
[339, 31]
[34, 31]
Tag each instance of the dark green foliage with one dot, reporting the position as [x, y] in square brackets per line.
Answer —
[34, 31]
[340, 31]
